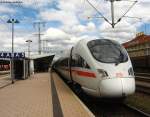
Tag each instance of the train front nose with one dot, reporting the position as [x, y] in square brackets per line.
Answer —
[117, 87]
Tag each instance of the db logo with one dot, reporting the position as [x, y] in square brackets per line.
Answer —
[119, 75]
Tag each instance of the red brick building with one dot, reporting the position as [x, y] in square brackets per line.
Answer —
[139, 51]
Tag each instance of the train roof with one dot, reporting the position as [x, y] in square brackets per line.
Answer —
[66, 53]
[85, 41]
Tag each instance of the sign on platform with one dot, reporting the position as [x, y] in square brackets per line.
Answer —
[16, 55]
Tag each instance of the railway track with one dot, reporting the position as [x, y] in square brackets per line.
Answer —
[135, 109]
[4, 72]
[142, 74]
[143, 82]
[107, 107]
[110, 107]
[142, 78]
[5, 79]
[143, 89]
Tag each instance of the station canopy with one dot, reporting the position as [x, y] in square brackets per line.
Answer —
[42, 62]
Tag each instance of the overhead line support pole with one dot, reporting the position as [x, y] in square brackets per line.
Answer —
[112, 13]
[39, 35]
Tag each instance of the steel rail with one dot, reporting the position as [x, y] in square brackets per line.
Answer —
[142, 78]
[143, 89]
[137, 110]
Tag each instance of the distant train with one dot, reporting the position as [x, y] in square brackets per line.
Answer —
[101, 67]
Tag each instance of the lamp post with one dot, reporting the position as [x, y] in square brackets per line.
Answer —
[29, 42]
[12, 21]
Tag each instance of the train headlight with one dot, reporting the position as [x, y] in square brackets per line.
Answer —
[130, 71]
[102, 73]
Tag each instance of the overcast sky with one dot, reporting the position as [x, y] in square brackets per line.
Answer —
[66, 22]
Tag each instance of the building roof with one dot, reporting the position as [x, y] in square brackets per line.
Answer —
[140, 39]
[40, 56]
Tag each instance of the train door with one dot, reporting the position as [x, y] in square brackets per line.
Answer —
[71, 64]
[83, 74]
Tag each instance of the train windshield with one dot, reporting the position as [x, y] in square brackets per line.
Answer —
[107, 51]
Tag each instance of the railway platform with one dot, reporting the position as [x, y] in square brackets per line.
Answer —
[42, 95]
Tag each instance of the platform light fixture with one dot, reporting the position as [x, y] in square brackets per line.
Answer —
[12, 21]
[29, 42]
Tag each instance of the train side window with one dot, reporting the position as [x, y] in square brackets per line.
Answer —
[65, 62]
[73, 62]
[87, 66]
[80, 62]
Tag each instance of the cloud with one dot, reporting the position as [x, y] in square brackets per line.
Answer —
[66, 18]
[5, 9]
[71, 13]
[56, 34]
[74, 25]
[83, 29]
[124, 31]
[58, 40]
[9, 46]
[36, 4]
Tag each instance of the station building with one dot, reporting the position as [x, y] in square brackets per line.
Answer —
[24, 66]
[41, 63]
[139, 52]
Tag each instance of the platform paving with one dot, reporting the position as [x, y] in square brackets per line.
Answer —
[37, 97]
[70, 104]
[27, 98]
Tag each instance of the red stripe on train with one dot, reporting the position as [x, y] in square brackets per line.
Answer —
[85, 74]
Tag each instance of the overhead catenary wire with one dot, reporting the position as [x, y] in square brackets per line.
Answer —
[126, 12]
[134, 17]
[8, 1]
[112, 8]
[98, 11]
[12, 3]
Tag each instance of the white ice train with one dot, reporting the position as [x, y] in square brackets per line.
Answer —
[101, 67]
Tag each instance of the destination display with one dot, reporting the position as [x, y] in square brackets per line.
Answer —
[16, 55]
